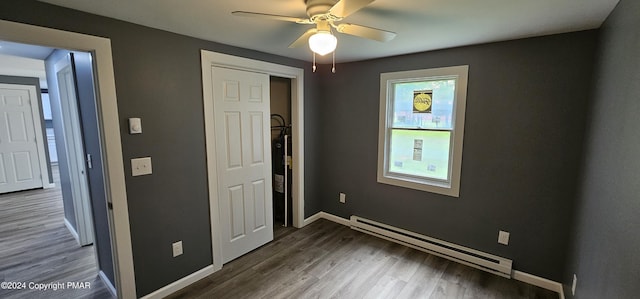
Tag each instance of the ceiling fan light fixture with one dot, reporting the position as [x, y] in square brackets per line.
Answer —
[323, 43]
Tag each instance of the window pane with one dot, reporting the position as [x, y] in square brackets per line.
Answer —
[433, 107]
[420, 153]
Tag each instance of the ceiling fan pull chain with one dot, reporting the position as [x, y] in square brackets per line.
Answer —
[314, 62]
[333, 69]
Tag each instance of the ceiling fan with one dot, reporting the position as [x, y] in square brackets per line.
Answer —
[327, 15]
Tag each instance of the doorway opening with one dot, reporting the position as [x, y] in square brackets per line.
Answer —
[107, 111]
[281, 151]
[77, 203]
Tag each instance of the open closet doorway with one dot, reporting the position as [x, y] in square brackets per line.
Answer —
[281, 151]
[215, 66]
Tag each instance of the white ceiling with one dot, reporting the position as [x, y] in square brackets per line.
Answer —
[22, 50]
[23, 60]
[23, 67]
[421, 25]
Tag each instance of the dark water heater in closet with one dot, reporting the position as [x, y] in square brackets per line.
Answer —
[282, 177]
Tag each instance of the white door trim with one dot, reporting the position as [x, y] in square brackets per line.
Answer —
[110, 126]
[37, 127]
[210, 59]
[40, 140]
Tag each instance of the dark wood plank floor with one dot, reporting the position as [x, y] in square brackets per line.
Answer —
[36, 247]
[328, 260]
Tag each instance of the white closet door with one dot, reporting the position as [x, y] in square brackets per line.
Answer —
[241, 113]
[20, 165]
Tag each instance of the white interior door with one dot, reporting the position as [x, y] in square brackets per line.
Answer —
[243, 157]
[20, 132]
[75, 151]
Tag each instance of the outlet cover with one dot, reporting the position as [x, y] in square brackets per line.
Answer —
[573, 285]
[177, 248]
[141, 166]
[503, 237]
[343, 197]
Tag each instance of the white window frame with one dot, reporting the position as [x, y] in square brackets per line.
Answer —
[451, 186]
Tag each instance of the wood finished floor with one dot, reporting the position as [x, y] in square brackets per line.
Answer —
[328, 260]
[35, 246]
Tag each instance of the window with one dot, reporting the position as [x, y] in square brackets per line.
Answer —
[421, 129]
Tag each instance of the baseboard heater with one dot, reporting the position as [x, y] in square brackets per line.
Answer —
[470, 257]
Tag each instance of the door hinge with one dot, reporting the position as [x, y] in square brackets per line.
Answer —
[110, 205]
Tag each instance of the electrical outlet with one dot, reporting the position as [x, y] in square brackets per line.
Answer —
[343, 197]
[573, 285]
[141, 166]
[503, 237]
[177, 248]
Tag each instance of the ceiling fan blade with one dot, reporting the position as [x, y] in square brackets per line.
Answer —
[366, 32]
[271, 17]
[346, 7]
[303, 39]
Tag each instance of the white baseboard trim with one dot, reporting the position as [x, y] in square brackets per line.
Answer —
[49, 186]
[330, 217]
[108, 283]
[72, 230]
[517, 275]
[311, 219]
[336, 219]
[182, 283]
[539, 282]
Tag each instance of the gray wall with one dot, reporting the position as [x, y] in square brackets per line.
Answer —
[158, 79]
[606, 250]
[526, 112]
[525, 118]
[35, 82]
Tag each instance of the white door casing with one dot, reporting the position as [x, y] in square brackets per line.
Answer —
[109, 121]
[22, 157]
[75, 150]
[211, 59]
[243, 151]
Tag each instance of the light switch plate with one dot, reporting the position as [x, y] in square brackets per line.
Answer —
[177, 248]
[141, 166]
[135, 125]
[343, 197]
[503, 238]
